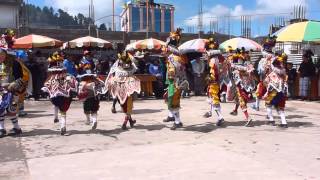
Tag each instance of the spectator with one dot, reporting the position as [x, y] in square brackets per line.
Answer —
[198, 68]
[68, 63]
[292, 75]
[155, 70]
[307, 71]
[103, 67]
[86, 65]
[34, 68]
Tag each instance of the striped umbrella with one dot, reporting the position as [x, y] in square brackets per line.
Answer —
[308, 31]
[88, 41]
[241, 42]
[193, 46]
[146, 44]
[36, 41]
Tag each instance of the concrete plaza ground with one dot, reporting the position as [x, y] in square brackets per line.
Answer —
[152, 151]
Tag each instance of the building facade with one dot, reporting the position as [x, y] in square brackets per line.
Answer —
[134, 17]
[9, 13]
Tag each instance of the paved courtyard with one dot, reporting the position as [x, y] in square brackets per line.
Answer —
[152, 151]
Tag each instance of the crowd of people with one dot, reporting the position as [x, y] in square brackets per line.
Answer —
[229, 76]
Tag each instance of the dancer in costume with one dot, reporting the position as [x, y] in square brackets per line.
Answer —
[264, 69]
[176, 79]
[122, 84]
[242, 84]
[13, 82]
[21, 57]
[59, 86]
[90, 89]
[214, 80]
[277, 87]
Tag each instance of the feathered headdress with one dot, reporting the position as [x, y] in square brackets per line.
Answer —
[269, 43]
[125, 57]
[212, 44]
[174, 38]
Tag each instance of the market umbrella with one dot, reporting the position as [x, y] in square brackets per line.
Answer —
[36, 41]
[308, 31]
[193, 46]
[240, 42]
[146, 44]
[87, 41]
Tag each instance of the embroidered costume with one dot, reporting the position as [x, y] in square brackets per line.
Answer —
[242, 84]
[13, 82]
[176, 79]
[122, 84]
[89, 90]
[214, 80]
[277, 87]
[264, 68]
[59, 86]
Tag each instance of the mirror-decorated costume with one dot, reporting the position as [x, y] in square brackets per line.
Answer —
[242, 83]
[59, 86]
[276, 90]
[122, 84]
[176, 79]
[13, 83]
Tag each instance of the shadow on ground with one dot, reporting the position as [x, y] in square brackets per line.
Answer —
[146, 111]
[202, 128]
[36, 115]
[109, 133]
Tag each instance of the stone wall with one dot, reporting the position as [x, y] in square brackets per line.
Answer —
[113, 36]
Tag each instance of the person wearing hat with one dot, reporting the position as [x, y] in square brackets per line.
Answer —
[21, 57]
[242, 85]
[86, 65]
[176, 79]
[277, 90]
[60, 85]
[90, 88]
[215, 61]
[122, 84]
[13, 81]
[264, 68]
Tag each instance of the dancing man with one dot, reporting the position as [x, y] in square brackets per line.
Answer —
[90, 89]
[176, 79]
[122, 84]
[13, 81]
[277, 87]
[215, 61]
[243, 84]
[263, 70]
[59, 85]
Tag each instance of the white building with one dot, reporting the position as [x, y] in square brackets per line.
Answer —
[9, 13]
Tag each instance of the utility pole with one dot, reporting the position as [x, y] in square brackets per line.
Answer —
[113, 24]
[200, 20]
[147, 28]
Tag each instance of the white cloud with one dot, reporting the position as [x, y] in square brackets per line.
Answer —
[102, 7]
[262, 7]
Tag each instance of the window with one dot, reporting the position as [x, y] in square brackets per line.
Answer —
[167, 20]
[157, 20]
[135, 19]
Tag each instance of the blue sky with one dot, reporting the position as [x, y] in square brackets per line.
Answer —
[263, 11]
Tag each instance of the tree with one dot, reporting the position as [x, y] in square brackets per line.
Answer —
[103, 27]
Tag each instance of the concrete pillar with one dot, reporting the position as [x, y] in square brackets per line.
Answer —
[152, 19]
[172, 19]
[162, 19]
[141, 18]
[129, 15]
